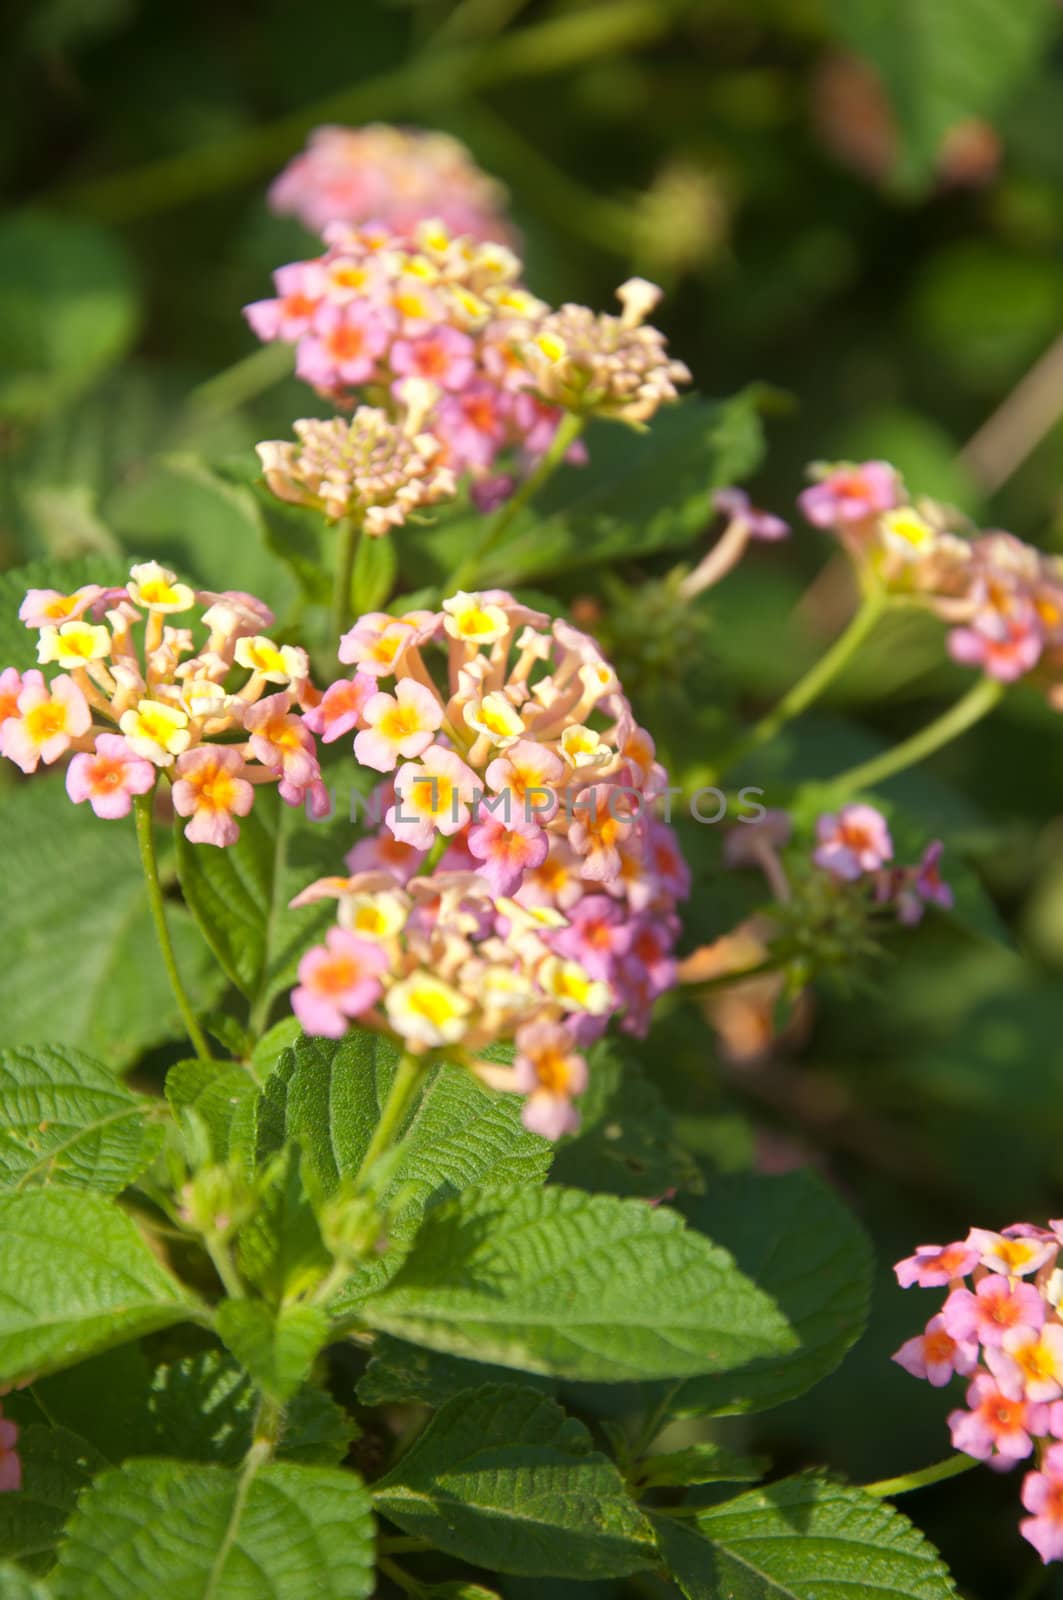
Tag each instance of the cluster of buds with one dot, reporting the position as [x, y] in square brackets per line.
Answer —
[396, 177]
[10, 1465]
[125, 709]
[376, 310]
[1002, 598]
[601, 365]
[519, 885]
[1000, 1330]
[369, 467]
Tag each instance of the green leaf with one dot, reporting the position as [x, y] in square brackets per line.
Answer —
[81, 964]
[943, 63]
[68, 309]
[794, 1238]
[203, 1409]
[803, 1539]
[627, 1143]
[65, 1120]
[75, 1277]
[327, 1094]
[104, 1400]
[15, 1584]
[501, 1477]
[280, 1248]
[399, 1373]
[584, 1286]
[190, 517]
[56, 1466]
[640, 493]
[276, 1347]
[700, 1463]
[220, 1101]
[166, 1528]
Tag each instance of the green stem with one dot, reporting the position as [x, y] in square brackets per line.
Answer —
[886, 1488]
[143, 806]
[815, 681]
[348, 533]
[569, 430]
[243, 381]
[218, 1251]
[420, 86]
[404, 1086]
[979, 700]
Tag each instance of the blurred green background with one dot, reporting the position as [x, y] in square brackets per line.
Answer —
[856, 202]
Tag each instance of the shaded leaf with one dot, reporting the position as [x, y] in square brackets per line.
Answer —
[56, 1466]
[277, 1348]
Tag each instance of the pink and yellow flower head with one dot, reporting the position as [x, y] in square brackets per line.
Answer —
[400, 177]
[1004, 1334]
[512, 883]
[138, 696]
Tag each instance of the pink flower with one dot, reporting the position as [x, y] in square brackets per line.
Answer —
[302, 287]
[109, 778]
[1005, 650]
[1029, 1363]
[403, 724]
[598, 933]
[473, 424]
[935, 1265]
[735, 504]
[10, 1465]
[10, 689]
[433, 796]
[935, 1355]
[929, 884]
[444, 356]
[340, 707]
[376, 643]
[338, 981]
[344, 346]
[549, 1071]
[1042, 1495]
[281, 741]
[48, 717]
[995, 1423]
[851, 494]
[211, 791]
[503, 854]
[992, 1311]
[44, 606]
[1018, 1251]
[853, 842]
[382, 852]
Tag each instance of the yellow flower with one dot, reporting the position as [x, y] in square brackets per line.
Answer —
[157, 589]
[426, 1011]
[73, 644]
[156, 731]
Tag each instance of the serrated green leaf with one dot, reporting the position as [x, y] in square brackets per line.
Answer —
[399, 1373]
[66, 1121]
[627, 1143]
[203, 1409]
[944, 63]
[799, 1243]
[501, 1477]
[56, 1466]
[222, 1099]
[280, 1248]
[68, 309]
[167, 1528]
[82, 966]
[327, 1094]
[276, 1347]
[700, 1463]
[75, 1277]
[584, 1286]
[803, 1539]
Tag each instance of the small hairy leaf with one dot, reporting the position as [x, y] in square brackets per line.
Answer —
[277, 1348]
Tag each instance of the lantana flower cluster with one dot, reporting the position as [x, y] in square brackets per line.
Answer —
[520, 886]
[136, 696]
[1000, 1330]
[376, 310]
[10, 1463]
[392, 176]
[1002, 598]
